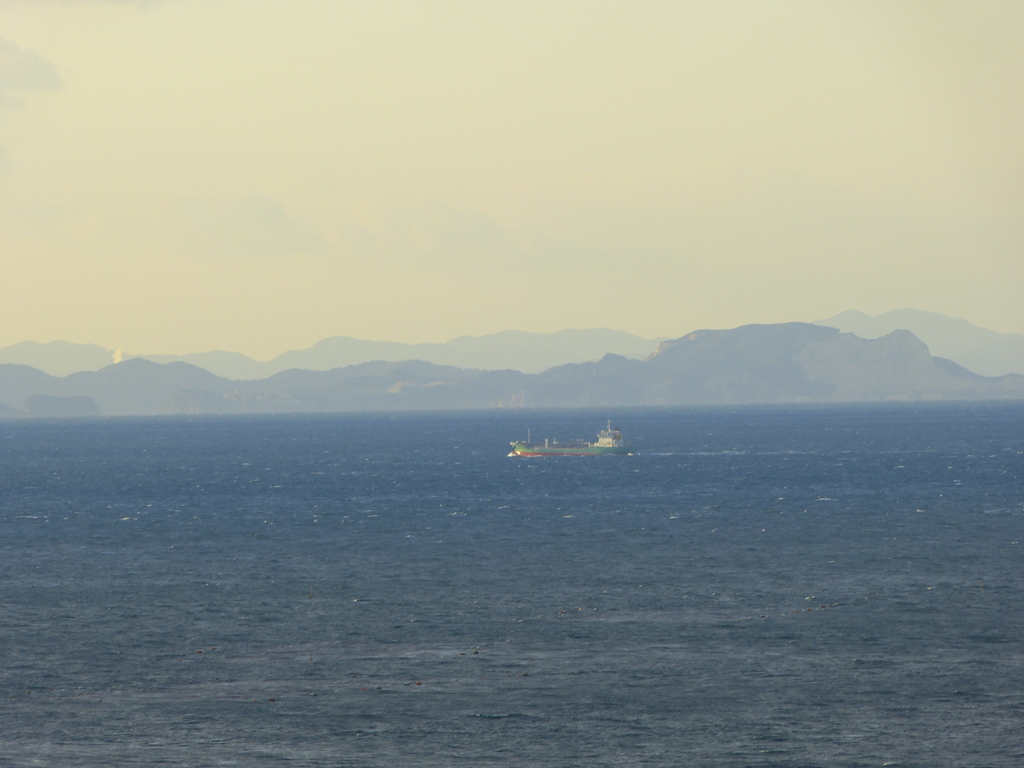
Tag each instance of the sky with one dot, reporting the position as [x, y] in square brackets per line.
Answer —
[255, 175]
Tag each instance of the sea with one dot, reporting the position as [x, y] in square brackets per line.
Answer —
[759, 586]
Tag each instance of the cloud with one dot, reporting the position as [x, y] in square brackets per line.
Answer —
[252, 227]
[23, 70]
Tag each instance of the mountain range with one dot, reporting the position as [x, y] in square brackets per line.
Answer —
[980, 350]
[516, 350]
[781, 363]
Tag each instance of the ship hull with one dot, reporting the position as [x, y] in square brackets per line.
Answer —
[521, 449]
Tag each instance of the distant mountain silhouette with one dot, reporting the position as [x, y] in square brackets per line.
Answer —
[786, 363]
[133, 387]
[376, 386]
[508, 350]
[978, 349]
[58, 358]
[227, 365]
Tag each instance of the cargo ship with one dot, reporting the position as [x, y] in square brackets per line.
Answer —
[609, 441]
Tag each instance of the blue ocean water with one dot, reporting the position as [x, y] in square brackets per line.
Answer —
[773, 586]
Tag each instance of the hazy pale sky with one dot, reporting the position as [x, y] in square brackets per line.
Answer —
[254, 175]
